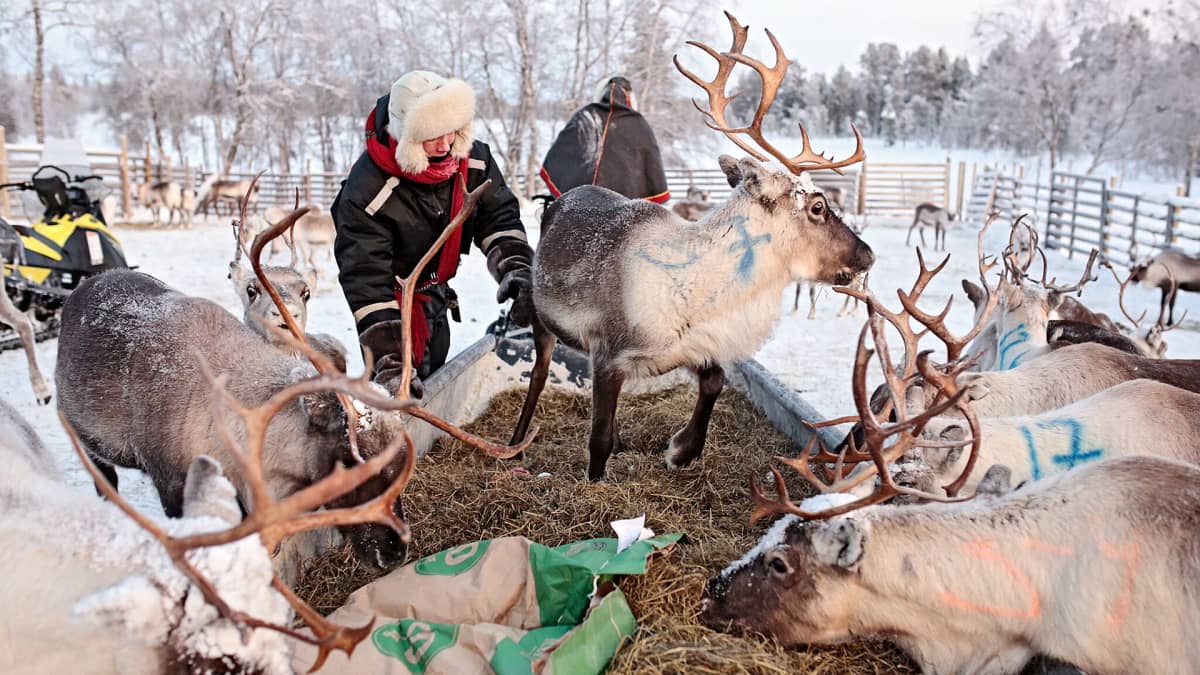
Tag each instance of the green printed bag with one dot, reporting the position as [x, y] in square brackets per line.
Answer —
[508, 606]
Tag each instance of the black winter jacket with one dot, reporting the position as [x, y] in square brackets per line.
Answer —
[628, 156]
[383, 234]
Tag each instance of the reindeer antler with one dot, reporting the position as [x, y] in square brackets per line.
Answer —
[772, 78]
[1076, 287]
[903, 435]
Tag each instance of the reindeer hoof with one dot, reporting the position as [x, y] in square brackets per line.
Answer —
[679, 453]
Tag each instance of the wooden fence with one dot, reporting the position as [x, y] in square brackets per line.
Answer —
[1077, 213]
[871, 188]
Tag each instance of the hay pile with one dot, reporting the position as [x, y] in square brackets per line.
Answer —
[459, 495]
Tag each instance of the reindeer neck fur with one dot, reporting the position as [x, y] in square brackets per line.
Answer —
[1080, 567]
[705, 288]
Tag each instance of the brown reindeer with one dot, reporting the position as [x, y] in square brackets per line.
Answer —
[1170, 271]
[681, 294]
[133, 355]
[171, 195]
[695, 206]
[214, 191]
[935, 216]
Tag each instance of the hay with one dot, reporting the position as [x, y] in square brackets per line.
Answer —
[458, 495]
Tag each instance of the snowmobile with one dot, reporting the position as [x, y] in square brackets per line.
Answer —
[45, 261]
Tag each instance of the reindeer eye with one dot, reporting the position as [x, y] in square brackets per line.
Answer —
[252, 292]
[818, 208]
[305, 294]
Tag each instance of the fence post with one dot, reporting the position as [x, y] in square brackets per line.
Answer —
[123, 170]
[1133, 243]
[962, 177]
[148, 165]
[1105, 213]
[946, 195]
[1074, 214]
[3, 174]
[165, 163]
[862, 188]
[308, 182]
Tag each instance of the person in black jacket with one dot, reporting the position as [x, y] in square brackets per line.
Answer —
[608, 143]
[398, 198]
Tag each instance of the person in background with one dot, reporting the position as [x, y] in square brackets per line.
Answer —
[608, 143]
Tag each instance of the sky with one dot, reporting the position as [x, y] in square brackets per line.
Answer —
[823, 35]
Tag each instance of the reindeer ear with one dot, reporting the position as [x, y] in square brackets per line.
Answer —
[839, 542]
[974, 292]
[310, 278]
[206, 492]
[953, 432]
[762, 183]
[323, 411]
[729, 165]
[996, 481]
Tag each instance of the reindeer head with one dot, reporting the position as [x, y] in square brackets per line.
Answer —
[260, 311]
[697, 195]
[811, 235]
[797, 584]
[262, 314]
[817, 244]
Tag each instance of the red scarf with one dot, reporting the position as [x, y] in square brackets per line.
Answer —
[384, 157]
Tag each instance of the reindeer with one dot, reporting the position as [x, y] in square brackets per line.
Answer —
[261, 314]
[314, 231]
[88, 590]
[977, 587]
[936, 216]
[131, 343]
[12, 253]
[681, 294]
[171, 195]
[1170, 271]
[214, 191]
[695, 206]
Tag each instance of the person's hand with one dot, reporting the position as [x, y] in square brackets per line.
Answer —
[385, 340]
[389, 374]
[518, 286]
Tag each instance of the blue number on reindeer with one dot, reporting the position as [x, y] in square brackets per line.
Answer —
[1076, 454]
[1013, 338]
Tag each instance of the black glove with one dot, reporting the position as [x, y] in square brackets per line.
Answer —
[385, 340]
[510, 263]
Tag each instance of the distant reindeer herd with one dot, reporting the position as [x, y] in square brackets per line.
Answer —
[1027, 488]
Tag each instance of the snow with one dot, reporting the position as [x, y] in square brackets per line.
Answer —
[812, 357]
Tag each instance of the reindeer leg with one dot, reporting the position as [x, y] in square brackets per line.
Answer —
[908, 239]
[796, 303]
[543, 343]
[1171, 315]
[688, 443]
[100, 457]
[606, 389]
[812, 301]
[14, 317]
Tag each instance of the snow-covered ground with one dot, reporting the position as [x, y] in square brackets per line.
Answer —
[813, 357]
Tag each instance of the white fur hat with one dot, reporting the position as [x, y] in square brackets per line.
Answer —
[425, 105]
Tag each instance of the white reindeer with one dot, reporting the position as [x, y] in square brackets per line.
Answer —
[980, 587]
[171, 195]
[682, 294]
[87, 590]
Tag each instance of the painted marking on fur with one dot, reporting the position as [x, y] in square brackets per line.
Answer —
[1075, 454]
[746, 244]
[1013, 338]
[1128, 555]
[985, 550]
[691, 259]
